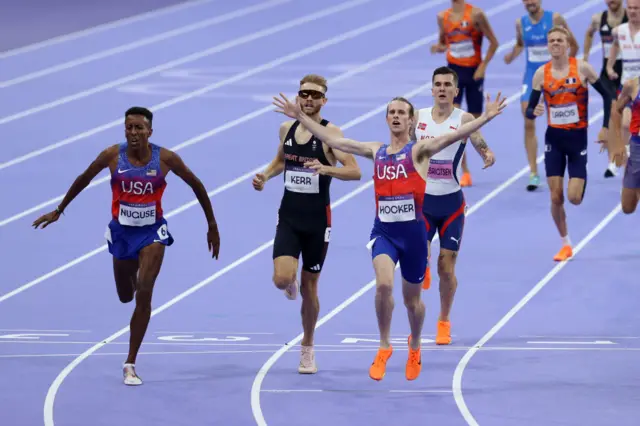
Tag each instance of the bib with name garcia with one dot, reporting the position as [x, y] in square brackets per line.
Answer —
[399, 189]
[137, 191]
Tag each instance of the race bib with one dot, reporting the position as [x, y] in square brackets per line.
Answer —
[563, 114]
[440, 169]
[606, 48]
[462, 49]
[299, 179]
[137, 214]
[396, 208]
[538, 54]
[630, 69]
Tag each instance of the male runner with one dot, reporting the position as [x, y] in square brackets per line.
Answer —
[604, 22]
[531, 35]
[462, 28]
[629, 95]
[444, 206]
[399, 232]
[627, 44]
[304, 217]
[564, 81]
[137, 234]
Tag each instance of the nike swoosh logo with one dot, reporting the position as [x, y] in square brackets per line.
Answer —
[122, 171]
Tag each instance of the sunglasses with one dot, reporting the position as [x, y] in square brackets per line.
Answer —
[314, 94]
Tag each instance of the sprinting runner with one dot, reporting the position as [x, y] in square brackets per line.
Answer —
[604, 23]
[629, 95]
[564, 81]
[462, 29]
[304, 216]
[444, 206]
[627, 45]
[531, 36]
[138, 233]
[399, 231]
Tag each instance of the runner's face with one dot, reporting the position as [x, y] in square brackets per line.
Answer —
[613, 5]
[398, 117]
[137, 130]
[633, 10]
[558, 44]
[311, 98]
[532, 6]
[444, 89]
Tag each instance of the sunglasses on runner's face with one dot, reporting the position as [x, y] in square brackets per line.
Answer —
[314, 94]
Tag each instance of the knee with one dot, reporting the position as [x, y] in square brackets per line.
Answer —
[143, 298]
[557, 198]
[309, 288]
[125, 298]
[384, 289]
[628, 208]
[412, 302]
[446, 269]
[575, 199]
[529, 125]
[283, 279]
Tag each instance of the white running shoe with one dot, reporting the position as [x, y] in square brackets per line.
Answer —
[291, 292]
[130, 376]
[307, 361]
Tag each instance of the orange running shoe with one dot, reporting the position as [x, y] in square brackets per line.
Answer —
[565, 253]
[443, 335]
[379, 366]
[427, 279]
[465, 180]
[414, 362]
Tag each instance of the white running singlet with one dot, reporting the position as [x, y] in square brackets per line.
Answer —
[445, 167]
[630, 52]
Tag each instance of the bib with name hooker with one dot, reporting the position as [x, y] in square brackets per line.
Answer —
[396, 208]
[563, 114]
[302, 180]
[132, 214]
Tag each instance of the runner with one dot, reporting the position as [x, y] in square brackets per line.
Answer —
[629, 95]
[138, 233]
[564, 81]
[604, 23]
[304, 217]
[627, 45]
[462, 29]
[444, 206]
[399, 231]
[531, 36]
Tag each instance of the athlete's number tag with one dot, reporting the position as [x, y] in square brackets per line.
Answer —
[462, 49]
[538, 54]
[299, 179]
[440, 169]
[606, 46]
[137, 214]
[563, 114]
[163, 233]
[398, 208]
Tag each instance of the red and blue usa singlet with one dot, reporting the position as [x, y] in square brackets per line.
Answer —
[634, 125]
[399, 189]
[137, 191]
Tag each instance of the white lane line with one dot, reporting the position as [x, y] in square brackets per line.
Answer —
[239, 13]
[101, 28]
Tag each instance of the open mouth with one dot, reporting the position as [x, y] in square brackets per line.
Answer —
[395, 122]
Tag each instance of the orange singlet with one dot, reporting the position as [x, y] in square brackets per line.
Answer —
[567, 100]
[464, 41]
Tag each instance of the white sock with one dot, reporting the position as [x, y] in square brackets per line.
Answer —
[566, 241]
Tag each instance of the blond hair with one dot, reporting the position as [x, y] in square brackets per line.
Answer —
[315, 79]
[559, 29]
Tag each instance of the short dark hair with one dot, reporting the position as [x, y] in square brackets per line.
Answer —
[406, 101]
[140, 111]
[445, 71]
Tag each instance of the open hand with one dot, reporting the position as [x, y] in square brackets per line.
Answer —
[496, 107]
[286, 107]
[46, 219]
